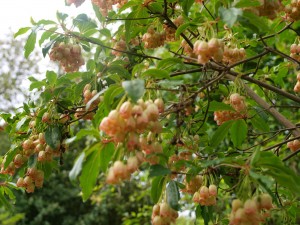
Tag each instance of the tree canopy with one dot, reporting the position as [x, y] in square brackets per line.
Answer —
[200, 96]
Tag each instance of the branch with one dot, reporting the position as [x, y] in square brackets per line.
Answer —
[278, 116]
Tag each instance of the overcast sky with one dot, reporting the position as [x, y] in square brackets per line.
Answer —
[17, 13]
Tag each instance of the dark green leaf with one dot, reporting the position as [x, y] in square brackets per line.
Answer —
[156, 188]
[238, 132]
[30, 43]
[106, 154]
[156, 74]
[219, 106]
[173, 195]
[221, 133]
[158, 170]
[247, 3]
[51, 77]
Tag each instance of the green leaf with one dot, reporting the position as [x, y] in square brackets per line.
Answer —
[51, 77]
[221, 133]
[173, 195]
[87, 132]
[238, 132]
[230, 16]
[156, 74]
[219, 106]
[123, 73]
[168, 62]
[4, 201]
[259, 123]
[156, 188]
[186, 5]
[30, 43]
[158, 170]
[258, 22]
[53, 136]
[182, 28]
[21, 31]
[73, 174]
[106, 154]
[247, 3]
[47, 34]
[84, 23]
[36, 84]
[135, 89]
[90, 171]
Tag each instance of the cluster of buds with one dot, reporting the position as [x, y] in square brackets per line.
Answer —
[175, 160]
[136, 125]
[68, 55]
[163, 214]
[187, 49]
[119, 46]
[170, 31]
[269, 9]
[233, 55]
[120, 171]
[106, 5]
[293, 10]
[34, 145]
[75, 2]
[34, 178]
[238, 103]
[88, 95]
[206, 195]
[193, 185]
[213, 49]
[295, 51]
[153, 39]
[253, 211]
[297, 86]
[294, 145]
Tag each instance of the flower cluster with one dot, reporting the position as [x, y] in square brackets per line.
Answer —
[233, 55]
[121, 46]
[34, 178]
[106, 5]
[120, 171]
[153, 39]
[88, 95]
[68, 55]
[253, 211]
[293, 10]
[294, 145]
[297, 86]
[193, 185]
[214, 49]
[163, 214]
[77, 3]
[295, 51]
[206, 195]
[238, 103]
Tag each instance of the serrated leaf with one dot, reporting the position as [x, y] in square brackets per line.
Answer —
[158, 170]
[221, 133]
[47, 34]
[182, 28]
[156, 74]
[90, 171]
[259, 123]
[30, 43]
[238, 132]
[106, 154]
[230, 16]
[73, 174]
[156, 188]
[168, 63]
[21, 31]
[135, 89]
[219, 106]
[186, 5]
[36, 84]
[253, 20]
[173, 195]
[53, 136]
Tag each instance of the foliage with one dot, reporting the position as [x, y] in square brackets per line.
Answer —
[198, 93]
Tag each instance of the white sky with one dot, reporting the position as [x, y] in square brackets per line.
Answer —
[17, 13]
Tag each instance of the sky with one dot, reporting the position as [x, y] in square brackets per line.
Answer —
[16, 13]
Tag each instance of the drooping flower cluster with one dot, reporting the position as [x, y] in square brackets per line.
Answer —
[293, 10]
[106, 5]
[238, 103]
[119, 45]
[88, 95]
[170, 31]
[297, 85]
[253, 211]
[193, 185]
[77, 3]
[294, 145]
[213, 49]
[233, 55]
[206, 195]
[270, 8]
[153, 39]
[120, 171]
[34, 178]
[163, 214]
[295, 51]
[68, 55]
